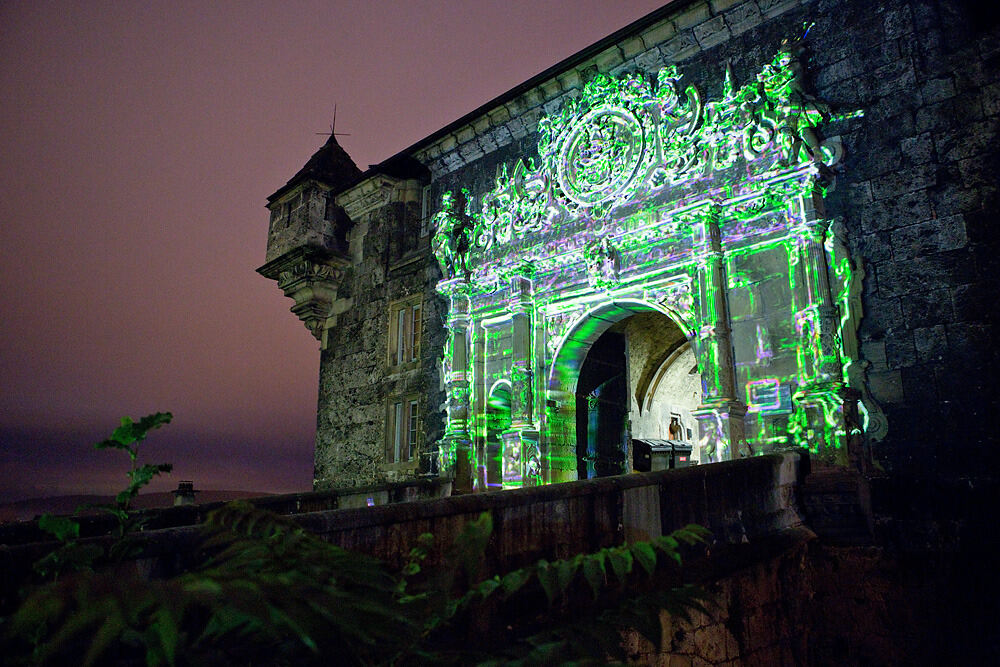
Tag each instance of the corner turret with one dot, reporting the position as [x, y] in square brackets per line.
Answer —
[307, 237]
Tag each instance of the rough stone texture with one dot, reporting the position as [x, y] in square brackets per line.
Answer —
[916, 193]
[355, 378]
[743, 17]
[693, 15]
[923, 194]
[711, 32]
[820, 605]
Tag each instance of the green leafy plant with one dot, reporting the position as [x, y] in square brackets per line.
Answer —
[561, 624]
[127, 438]
[270, 592]
[71, 555]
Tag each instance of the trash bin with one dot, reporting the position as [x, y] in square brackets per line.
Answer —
[649, 454]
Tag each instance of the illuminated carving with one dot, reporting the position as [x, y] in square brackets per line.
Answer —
[626, 138]
[600, 155]
[451, 238]
[647, 192]
[676, 296]
[603, 263]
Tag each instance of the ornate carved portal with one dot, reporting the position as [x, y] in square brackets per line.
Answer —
[648, 197]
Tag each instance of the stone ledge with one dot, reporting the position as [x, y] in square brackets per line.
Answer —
[680, 36]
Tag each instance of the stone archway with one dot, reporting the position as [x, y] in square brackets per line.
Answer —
[497, 420]
[666, 405]
[651, 335]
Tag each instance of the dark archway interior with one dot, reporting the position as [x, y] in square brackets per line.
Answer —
[497, 421]
[601, 409]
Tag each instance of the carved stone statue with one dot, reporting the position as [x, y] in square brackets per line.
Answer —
[451, 240]
[603, 263]
[802, 112]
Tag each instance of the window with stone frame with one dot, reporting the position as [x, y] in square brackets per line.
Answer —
[405, 324]
[402, 428]
[426, 209]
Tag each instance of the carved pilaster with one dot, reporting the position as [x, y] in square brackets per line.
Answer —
[816, 317]
[522, 456]
[455, 448]
[721, 413]
[819, 416]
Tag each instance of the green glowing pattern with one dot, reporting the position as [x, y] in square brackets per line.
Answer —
[647, 197]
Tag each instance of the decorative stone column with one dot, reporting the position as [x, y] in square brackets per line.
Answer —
[819, 418]
[522, 464]
[720, 416]
[455, 448]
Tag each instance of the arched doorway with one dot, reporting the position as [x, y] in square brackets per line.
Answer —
[498, 420]
[667, 403]
[625, 369]
[602, 409]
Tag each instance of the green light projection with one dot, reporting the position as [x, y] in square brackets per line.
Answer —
[644, 192]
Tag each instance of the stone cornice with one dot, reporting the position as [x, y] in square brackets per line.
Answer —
[690, 28]
[300, 255]
[369, 194]
[297, 188]
[375, 192]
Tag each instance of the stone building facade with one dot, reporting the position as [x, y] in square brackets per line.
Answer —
[737, 225]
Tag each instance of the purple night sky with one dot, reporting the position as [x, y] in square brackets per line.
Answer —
[139, 143]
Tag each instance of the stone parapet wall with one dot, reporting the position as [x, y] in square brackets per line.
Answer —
[741, 502]
[92, 525]
[751, 503]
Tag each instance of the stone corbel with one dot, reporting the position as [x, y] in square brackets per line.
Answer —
[311, 276]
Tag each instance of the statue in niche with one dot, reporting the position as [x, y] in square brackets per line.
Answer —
[603, 263]
[451, 238]
[674, 430]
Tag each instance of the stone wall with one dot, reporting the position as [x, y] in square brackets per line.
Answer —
[779, 594]
[913, 202]
[750, 503]
[389, 261]
[818, 605]
[917, 198]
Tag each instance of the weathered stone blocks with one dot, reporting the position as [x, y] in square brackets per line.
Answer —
[743, 17]
[915, 190]
[680, 47]
[929, 237]
[711, 32]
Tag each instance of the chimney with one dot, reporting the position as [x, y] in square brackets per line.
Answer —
[184, 495]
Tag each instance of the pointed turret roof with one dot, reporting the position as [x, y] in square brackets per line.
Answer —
[330, 165]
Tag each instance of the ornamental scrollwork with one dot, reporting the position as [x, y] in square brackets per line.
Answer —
[630, 136]
[311, 271]
[557, 326]
[600, 158]
[676, 296]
